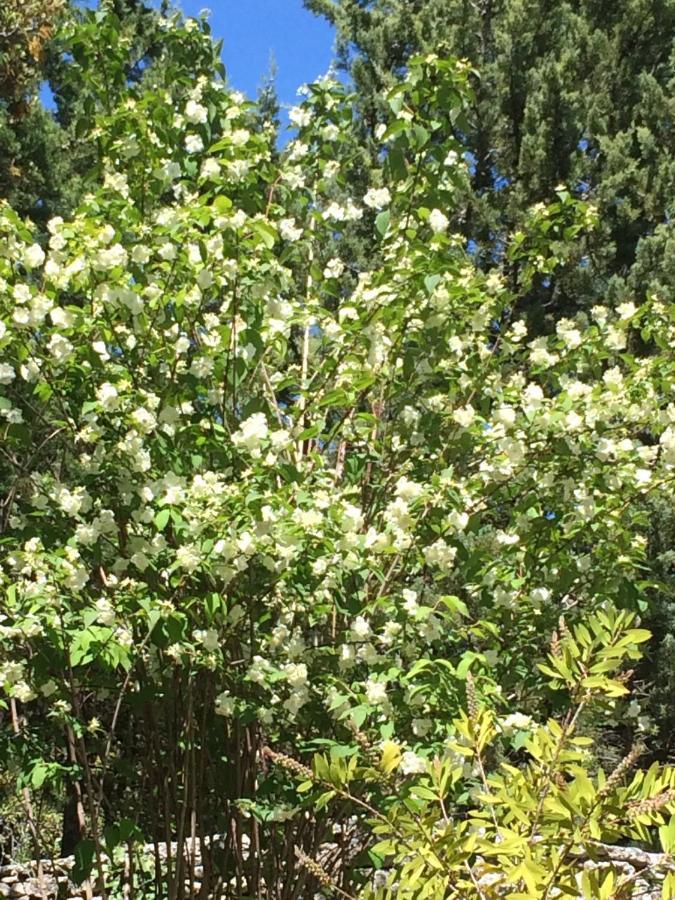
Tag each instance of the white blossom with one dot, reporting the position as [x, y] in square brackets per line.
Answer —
[34, 256]
[252, 432]
[438, 222]
[412, 764]
[377, 198]
[195, 112]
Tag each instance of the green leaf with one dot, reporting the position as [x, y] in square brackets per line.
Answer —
[162, 518]
[382, 222]
[324, 800]
[358, 714]
[84, 859]
[431, 282]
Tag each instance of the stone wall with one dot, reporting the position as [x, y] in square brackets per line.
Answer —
[645, 871]
[22, 881]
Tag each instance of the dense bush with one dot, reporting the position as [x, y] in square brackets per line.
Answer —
[254, 516]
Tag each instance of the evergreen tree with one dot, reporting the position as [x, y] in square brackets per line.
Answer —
[33, 164]
[574, 93]
[44, 162]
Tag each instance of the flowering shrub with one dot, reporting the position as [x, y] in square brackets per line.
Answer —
[254, 498]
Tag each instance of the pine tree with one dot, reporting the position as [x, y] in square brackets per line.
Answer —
[579, 94]
[44, 163]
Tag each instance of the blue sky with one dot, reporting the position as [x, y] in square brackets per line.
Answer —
[252, 30]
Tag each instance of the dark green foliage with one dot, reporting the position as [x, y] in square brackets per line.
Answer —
[37, 173]
[44, 162]
[573, 93]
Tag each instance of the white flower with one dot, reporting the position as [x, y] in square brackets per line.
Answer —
[438, 222]
[377, 198]
[258, 670]
[210, 168]
[408, 490]
[505, 415]
[59, 347]
[100, 348]
[106, 613]
[144, 420]
[62, 318]
[570, 335]
[376, 692]
[252, 432]
[667, 442]
[451, 159]
[240, 137]
[626, 310]
[209, 639]
[360, 628]
[140, 254]
[464, 415]
[300, 117]
[169, 170]
[34, 256]
[188, 558]
[412, 764]
[296, 674]
[440, 554]
[117, 181]
[457, 520]
[410, 601]
[195, 112]
[296, 701]
[107, 396]
[533, 397]
[7, 373]
[167, 251]
[280, 439]
[515, 722]
[20, 316]
[194, 143]
[23, 692]
[110, 258]
[334, 268]
[21, 293]
[518, 331]
[289, 231]
[225, 704]
[71, 502]
[615, 339]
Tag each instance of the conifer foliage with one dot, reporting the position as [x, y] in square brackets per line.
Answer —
[579, 94]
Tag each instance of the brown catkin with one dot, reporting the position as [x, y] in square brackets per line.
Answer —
[288, 763]
[652, 804]
[555, 645]
[314, 868]
[368, 749]
[563, 629]
[623, 767]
